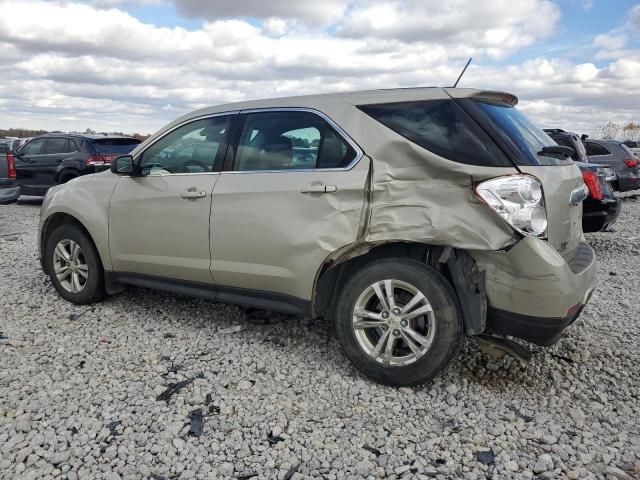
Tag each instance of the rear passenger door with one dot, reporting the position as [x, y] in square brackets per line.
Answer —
[55, 150]
[291, 193]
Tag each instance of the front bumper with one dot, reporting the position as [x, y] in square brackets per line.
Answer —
[533, 293]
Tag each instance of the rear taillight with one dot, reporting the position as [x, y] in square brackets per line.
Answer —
[99, 159]
[630, 162]
[11, 166]
[592, 182]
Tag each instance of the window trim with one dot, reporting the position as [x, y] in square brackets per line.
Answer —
[215, 170]
[229, 162]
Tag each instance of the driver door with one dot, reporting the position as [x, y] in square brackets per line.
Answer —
[159, 218]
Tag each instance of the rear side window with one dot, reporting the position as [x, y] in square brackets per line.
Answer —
[595, 149]
[115, 146]
[56, 145]
[442, 127]
[290, 140]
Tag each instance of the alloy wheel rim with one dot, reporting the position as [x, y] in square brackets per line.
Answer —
[70, 266]
[393, 322]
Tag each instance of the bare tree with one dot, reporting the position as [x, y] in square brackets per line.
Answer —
[609, 131]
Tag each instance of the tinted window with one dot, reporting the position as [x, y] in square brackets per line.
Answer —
[519, 132]
[55, 145]
[33, 147]
[191, 148]
[579, 152]
[595, 149]
[441, 127]
[631, 144]
[289, 140]
[117, 146]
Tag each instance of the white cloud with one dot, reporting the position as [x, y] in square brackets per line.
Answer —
[71, 66]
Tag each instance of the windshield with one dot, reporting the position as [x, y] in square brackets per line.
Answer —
[523, 134]
[120, 146]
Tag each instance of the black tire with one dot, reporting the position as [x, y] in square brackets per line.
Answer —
[93, 290]
[447, 318]
[66, 177]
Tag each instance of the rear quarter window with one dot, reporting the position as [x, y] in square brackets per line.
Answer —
[442, 127]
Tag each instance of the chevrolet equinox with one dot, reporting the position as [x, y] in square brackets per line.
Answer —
[408, 217]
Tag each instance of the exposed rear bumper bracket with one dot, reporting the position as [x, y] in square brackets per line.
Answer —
[469, 285]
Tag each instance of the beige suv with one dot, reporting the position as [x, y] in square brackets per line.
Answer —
[408, 217]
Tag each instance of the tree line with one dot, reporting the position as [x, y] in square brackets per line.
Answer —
[25, 132]
[616, 131]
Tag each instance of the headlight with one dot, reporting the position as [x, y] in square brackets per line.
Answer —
[519, 200]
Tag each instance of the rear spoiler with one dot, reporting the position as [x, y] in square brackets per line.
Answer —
[490, 95]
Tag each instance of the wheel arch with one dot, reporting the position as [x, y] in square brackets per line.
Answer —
[457, 266]
[56, 220]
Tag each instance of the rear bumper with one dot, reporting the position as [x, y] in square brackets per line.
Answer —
[628, 182]
[533, 293]
[599, 214]
[539, 330]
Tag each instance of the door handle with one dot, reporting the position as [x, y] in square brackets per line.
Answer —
[319, 188]
[192, 194]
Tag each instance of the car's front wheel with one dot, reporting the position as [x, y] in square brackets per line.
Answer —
[398, 322]
[74, 265]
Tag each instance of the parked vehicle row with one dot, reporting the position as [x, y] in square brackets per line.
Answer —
[56, 158]
[602, 207]
[408, 217]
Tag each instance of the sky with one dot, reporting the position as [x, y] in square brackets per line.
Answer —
[135, 65]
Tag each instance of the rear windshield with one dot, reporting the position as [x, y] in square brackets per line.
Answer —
[115, 145]
[519, 132]
[627, 150]
[631, 144]
[442, 127]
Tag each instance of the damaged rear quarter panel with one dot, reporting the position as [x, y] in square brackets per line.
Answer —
[420, 197]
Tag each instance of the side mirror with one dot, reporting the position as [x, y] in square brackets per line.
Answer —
[122, 165]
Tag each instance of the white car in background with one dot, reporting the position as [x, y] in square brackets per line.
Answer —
[633, 146]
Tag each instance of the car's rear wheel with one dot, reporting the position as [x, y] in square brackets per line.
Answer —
[398, 322]
[74, 265]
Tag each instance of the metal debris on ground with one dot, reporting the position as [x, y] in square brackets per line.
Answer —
[196, 420]
[174, 388]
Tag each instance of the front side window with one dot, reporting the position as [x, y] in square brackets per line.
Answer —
[441, 127]
[34, 147]
[191, 148]
[290, 140]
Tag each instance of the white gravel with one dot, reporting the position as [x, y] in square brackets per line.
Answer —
[79, 388]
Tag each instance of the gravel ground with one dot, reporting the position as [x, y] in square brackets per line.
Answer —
[148, 385]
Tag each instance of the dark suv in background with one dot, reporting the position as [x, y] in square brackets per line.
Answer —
[601, 208]
[56, 158]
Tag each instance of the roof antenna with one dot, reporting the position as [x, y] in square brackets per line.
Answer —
[462, 73]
